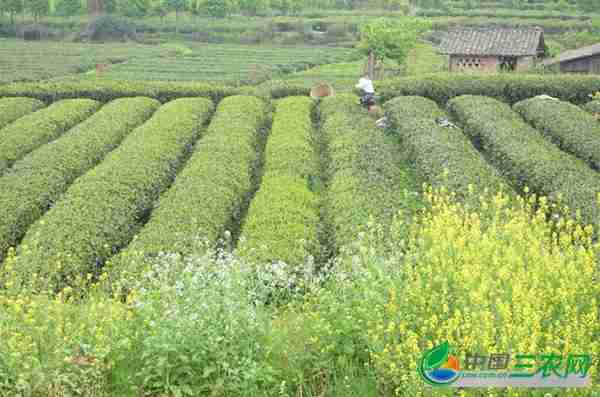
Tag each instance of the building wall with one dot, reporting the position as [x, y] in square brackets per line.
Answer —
[524, 63]
[582, 65]
[595, 64]
[460, 63]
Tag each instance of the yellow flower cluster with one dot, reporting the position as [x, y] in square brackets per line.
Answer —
[496, 279]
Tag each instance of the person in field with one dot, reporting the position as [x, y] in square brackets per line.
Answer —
[367, 99]
[367, 91]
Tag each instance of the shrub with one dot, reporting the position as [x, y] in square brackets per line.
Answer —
[550, 26]
[365, 174]
[593, 106]
[12, 109]
[40, 178]
[34, 130]
[525, 157]
[570, 127]
[107, 90]
[277, 89]
[209, 193]
[509, 88]
[442, 156]
[103, 209]
[107, 27]
[283, 216]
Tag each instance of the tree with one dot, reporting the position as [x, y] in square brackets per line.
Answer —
[38, 8]
[385, 39]
[134, 8]
[221, 8]
[253, 7]
[68, 7]
[12, 8]
[176, 5]
[95, 7]
[588, 5]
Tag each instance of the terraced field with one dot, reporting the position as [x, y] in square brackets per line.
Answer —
[87, 187]
[30, 61]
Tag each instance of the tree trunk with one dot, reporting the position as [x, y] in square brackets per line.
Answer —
[95, 7]
[371, 65]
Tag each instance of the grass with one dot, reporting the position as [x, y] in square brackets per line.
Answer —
[424, 59]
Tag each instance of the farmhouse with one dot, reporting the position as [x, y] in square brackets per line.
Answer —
[583, 60]
[493, 49]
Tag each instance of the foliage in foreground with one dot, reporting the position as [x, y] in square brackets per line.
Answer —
[499, 278]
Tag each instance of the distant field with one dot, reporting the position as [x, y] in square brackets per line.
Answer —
[26, 61]
[423, 59]
[229, 63]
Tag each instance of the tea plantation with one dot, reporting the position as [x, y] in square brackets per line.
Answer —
[240, 219]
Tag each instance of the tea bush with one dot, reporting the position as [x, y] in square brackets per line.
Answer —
[570, 127]
[526, 158]
[283, 217]
[441, 156]
[43, 126]
[208, 195]
[38, 180]
[593, 106]
[509, 88]
[12, 109]
[103, 209]
[107, 90]
[365, 174]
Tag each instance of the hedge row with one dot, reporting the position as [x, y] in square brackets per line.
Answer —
[570, 127]
[517, 14]
[107, 90]
[208, 194]
[43, 126]
[509, 88]
[38, 180]
[366, 173]
[12, 109]
[103, 209]
[525, 157]
[284, 215]
[441, 156]
[550, 26]
[592, 107]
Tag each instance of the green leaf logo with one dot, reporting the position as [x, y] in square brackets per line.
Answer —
[437, 356]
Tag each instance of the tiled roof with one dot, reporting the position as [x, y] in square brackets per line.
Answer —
[575, 54]
[493, 41]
